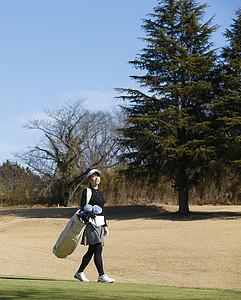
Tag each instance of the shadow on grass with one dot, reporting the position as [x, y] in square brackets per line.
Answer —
[29, 291]
[31, 278]
[126, 212]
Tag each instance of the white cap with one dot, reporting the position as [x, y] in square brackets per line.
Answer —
[91, 172]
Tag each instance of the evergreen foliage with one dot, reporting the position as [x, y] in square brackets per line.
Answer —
[227, 104]
[169, 128]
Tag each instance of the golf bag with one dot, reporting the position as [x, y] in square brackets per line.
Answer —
[71, 235]
[69, 238]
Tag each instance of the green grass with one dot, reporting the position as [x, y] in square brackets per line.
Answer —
[50, 289]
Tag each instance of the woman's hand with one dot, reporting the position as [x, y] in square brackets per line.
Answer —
[106, 231]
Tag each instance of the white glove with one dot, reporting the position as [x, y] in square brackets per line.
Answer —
[106, 231]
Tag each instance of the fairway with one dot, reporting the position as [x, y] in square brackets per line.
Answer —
[49, 289]
[147, 245]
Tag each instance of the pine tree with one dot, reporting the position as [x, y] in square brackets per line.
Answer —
[227, 106]
[168, 129]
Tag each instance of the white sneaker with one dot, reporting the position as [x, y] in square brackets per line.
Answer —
[81, 277]
[105, 279]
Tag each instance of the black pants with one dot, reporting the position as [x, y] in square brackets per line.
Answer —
[95, 250]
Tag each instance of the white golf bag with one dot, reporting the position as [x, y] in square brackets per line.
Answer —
[71, 235]
[69, 238]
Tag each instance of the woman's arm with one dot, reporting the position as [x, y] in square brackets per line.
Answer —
[83, 199]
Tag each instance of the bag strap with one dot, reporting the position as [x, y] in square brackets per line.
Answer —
[88, 195]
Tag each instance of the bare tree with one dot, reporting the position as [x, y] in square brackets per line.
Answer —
[74, 140]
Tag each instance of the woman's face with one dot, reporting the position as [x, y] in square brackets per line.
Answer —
[94, 180]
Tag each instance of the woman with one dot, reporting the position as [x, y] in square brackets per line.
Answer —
[93, 236]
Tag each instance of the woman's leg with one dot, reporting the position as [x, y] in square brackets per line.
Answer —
[98, 258]
[86, 258]
[97, 251]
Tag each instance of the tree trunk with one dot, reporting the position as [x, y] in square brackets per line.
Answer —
[183, 190]
[67, 198]
[183, 200]
[62, 194]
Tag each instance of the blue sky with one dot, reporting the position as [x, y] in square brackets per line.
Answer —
[56, 50]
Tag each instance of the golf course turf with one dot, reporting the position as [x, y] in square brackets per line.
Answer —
[44, 288]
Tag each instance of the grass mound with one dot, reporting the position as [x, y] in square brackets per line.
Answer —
[41, 288]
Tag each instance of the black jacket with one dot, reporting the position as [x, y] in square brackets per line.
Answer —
[97, 198]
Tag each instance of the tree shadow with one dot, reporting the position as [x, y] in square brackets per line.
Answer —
[125, 212]
[160, 213]
[195, 216]
[31, 279]
[40, 212]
